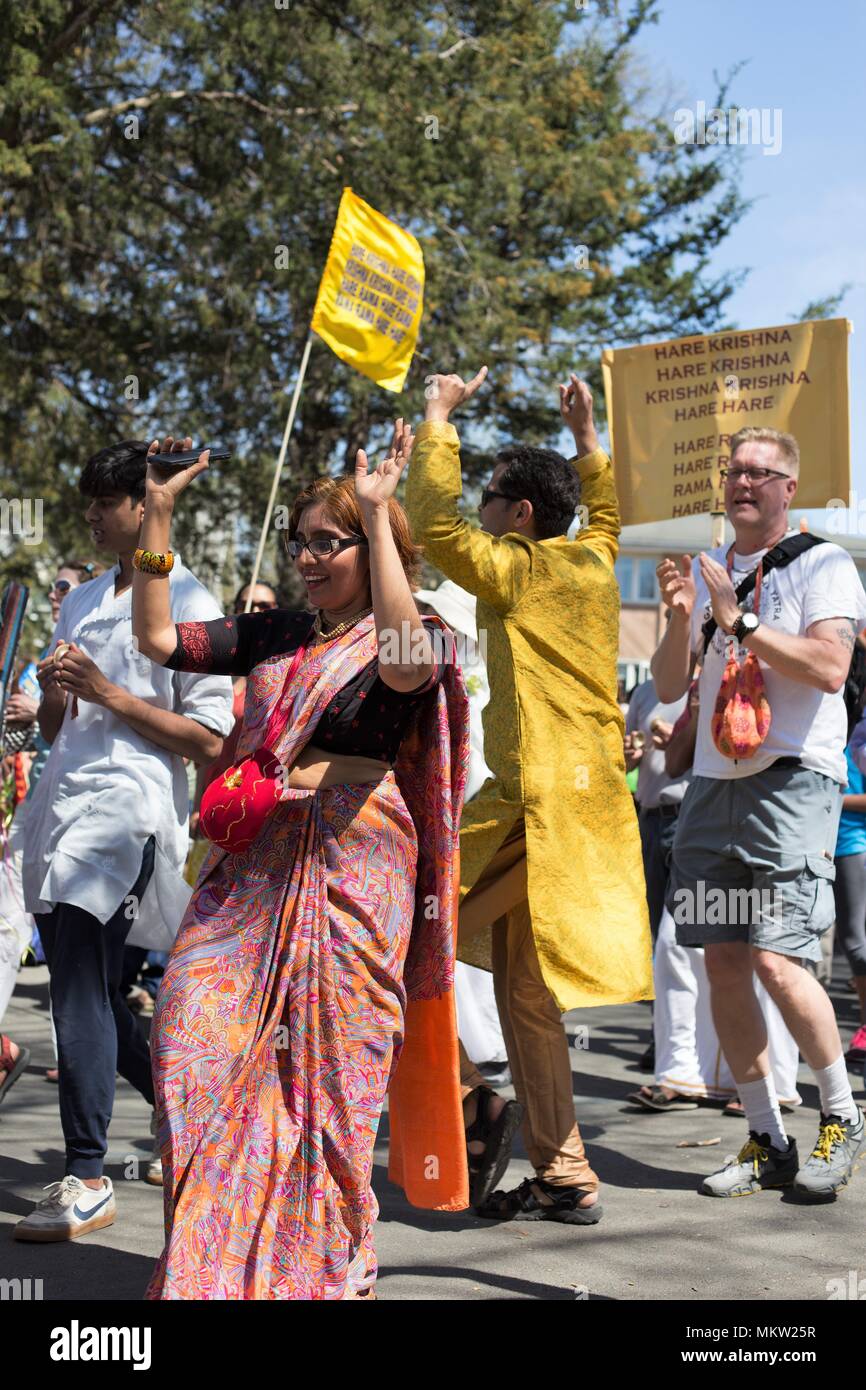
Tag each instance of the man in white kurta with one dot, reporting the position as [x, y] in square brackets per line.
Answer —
[106, 830]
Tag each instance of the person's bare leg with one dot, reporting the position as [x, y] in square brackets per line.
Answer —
[736, 1012]
[860, 986]
[804, 1005]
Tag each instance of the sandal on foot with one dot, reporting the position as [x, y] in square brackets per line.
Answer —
[654, 1098]
[11, 1068]
[497, 1136]
[537, 1200]
[736, 1110]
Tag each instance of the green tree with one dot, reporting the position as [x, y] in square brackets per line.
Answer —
[156, 157]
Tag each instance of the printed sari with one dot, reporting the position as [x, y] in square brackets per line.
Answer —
[305, 969]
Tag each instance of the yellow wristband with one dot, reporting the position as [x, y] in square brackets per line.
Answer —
[152, 562]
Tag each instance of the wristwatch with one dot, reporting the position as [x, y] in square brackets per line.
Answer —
[745, 625]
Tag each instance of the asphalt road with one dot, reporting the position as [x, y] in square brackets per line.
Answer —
[657, 1240]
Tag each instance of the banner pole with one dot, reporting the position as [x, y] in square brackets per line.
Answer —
[279, 468]
[717, 538]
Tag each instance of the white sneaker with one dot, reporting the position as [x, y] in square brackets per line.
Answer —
[69, 1210]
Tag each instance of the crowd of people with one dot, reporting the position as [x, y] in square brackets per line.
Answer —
[412, 848]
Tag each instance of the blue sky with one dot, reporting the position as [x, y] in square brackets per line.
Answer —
[805, 235]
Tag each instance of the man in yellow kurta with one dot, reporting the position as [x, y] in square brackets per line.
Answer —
[550, 851]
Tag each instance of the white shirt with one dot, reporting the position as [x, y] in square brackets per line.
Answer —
[654, 787]
[805, 723]
[105, 788]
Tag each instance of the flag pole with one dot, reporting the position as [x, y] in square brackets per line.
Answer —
[279, 469]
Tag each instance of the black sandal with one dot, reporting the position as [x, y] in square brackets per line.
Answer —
[524, 1203]
[485, 1169]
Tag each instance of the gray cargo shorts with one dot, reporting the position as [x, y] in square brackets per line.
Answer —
[753, 861]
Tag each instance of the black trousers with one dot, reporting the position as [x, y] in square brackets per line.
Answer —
[97, 1035]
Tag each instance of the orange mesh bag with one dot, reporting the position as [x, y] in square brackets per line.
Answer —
[741, 717]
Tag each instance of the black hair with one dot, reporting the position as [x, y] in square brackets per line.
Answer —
[120, 469]
[547, 480]
[260, 584]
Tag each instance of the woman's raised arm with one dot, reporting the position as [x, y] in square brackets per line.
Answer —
[152, 624]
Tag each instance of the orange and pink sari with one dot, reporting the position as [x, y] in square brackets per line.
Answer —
[311, 973]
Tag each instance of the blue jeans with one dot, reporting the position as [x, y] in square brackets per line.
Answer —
[97, 1035]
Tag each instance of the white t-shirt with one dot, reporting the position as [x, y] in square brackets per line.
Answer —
[806, 723]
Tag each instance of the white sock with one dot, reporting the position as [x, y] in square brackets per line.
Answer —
[761, 1105]
[835, 1088]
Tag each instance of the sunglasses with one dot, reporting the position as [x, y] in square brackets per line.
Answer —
[60, 586]
[489, 493]
[321, 546]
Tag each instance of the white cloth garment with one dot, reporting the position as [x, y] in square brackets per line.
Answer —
[806, 723]
[16, 923]
[689, 1058]
[477, 1015]
[105, 788]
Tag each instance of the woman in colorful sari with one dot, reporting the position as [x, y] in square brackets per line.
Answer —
[313, 960]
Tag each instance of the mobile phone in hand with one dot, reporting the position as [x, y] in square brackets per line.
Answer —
[183, 459]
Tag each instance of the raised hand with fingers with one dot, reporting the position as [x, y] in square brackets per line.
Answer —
[575, 407]
[374, 489]
[446, 392]
[677, 586]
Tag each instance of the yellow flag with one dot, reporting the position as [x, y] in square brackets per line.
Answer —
[672, 408]
[371, 295]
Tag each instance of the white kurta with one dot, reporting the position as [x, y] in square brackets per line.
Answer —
[105, 788]
[689, 1058]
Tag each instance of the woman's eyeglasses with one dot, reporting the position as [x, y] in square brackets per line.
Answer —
[321, 546]
[59, 587]
[756, 476]
[490, 492]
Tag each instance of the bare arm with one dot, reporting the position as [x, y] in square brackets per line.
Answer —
[176, 732]
[152, 623]
[680, 752]
[820, 659]
[406, 657]
[855, 803]
[80, 676]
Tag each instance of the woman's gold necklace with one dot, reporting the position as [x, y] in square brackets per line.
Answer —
[320, 636]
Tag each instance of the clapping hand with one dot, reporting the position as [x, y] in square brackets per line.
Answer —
[678, 591]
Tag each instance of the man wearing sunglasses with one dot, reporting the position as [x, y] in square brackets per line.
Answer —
[549, 847]
[752, 871]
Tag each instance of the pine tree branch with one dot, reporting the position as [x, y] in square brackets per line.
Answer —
[143, 103]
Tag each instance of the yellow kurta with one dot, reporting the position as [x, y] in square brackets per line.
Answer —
[553, 730]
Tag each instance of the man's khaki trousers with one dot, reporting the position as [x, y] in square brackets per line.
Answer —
[534, 1035]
